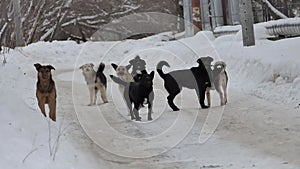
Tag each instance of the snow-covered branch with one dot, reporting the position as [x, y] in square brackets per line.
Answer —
[3, 29]
[274, 10]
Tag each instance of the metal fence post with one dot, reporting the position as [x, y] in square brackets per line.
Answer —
[247, 22]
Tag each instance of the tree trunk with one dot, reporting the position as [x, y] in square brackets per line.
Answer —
[17, 23]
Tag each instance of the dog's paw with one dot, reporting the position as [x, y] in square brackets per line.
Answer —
[176, 109]
[138, 119]
[223, 103]
[204, 107]
[150, 118]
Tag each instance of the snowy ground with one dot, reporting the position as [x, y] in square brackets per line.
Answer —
[259, 128]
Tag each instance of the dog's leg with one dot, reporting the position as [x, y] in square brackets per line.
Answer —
[150, 101]
[224, 86]
[103, 94]
[121, 89]
[136, 112]
[52, 108]
[129, 106]
[149, 111]
[201, 98]
[171, 98]
[208, 96]
[41, 103]
[218, 89]
[129, 111]
[92, 92]
[132, 116]
[95, 96]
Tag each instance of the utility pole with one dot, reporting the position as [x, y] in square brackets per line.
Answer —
[17, 23]
[188, 18]
[205, 15]
[247, 22]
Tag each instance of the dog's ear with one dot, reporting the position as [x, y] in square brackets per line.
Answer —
[137, 77]
[128, 66]
[210, 59]
[131, 61]
[81, 67]
[152, 75]
[144, 71]
[50, 67]
[114, 66]
[92, 65]
[199, 60]
[37, 66]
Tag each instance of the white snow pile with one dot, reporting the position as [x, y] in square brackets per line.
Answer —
[269, 70]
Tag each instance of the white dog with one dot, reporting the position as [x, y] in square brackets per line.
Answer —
[218, 77]
[220, 80]
[123, 73]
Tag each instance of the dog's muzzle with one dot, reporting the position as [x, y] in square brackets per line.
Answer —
[45, 76]
[121, 73]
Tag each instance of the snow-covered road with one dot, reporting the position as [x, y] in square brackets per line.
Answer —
[253, 133]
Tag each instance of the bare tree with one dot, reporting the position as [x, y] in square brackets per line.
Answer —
[49, 20]
[36, 21]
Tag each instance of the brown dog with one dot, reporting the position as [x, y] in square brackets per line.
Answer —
[45, 91]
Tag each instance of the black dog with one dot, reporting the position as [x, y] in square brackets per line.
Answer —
[195, 78]
[138, 65]
[136, 92]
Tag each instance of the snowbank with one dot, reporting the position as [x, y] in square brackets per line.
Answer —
[269, 69]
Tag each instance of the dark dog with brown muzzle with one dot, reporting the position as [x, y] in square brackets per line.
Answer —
[45, 90]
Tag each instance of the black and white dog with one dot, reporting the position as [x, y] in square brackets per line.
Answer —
[219, 79]
[136, 92]
[194, 78]
[95, 81]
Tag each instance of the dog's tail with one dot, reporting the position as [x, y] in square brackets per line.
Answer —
[219, 67]
[118, 80]
[159, 68]
[101, 67]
